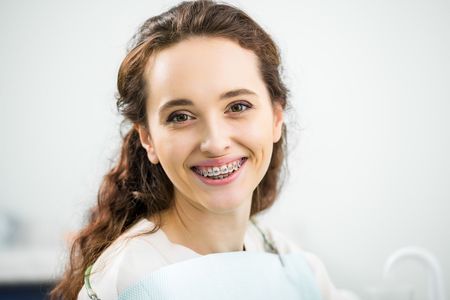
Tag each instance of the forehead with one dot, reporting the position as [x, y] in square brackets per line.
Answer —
[201, 68]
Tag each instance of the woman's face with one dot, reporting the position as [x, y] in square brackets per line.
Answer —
[209, 113]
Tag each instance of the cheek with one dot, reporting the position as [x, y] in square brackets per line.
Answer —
[179, 142]
[172, 150]
[257, 134]
[263, 125]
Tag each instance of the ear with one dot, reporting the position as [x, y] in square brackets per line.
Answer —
[147, 143]
[277, 121]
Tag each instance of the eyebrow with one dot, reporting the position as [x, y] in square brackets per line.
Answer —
[223, 96]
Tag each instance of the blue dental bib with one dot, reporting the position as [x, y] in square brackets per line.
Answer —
[229, 275]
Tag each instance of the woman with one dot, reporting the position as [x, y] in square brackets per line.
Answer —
[201, 89]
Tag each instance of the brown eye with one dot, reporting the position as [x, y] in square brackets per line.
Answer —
[239, 107]
[178, 118]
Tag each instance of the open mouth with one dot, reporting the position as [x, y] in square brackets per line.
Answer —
[220, 172]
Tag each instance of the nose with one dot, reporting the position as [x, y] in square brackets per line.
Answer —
[215, 138]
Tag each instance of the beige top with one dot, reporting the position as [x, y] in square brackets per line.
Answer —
[125, 261]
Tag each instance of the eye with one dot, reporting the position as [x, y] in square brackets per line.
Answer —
[178, 118]
[239, 107]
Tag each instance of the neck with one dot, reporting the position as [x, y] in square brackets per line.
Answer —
[204, 231]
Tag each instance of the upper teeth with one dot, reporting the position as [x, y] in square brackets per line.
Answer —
[224, 169]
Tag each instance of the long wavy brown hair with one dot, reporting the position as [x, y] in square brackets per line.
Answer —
[135, 188]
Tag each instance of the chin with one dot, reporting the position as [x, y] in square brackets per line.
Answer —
[226, 203]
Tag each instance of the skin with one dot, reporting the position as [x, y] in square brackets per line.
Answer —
[208, 219]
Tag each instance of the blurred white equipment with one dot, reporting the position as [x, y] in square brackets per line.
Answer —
[436, 289]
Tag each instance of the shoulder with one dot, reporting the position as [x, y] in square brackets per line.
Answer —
[124, 262]
[259, 235]
[285, 244]
[140, 256]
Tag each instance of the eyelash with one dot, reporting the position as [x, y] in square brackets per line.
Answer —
[171, 117]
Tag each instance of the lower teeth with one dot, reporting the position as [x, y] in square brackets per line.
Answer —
[220, 176]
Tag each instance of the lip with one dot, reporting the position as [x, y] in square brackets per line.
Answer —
[222, 181]
[218, 161]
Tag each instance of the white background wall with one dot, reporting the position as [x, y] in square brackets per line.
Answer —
[371, 89]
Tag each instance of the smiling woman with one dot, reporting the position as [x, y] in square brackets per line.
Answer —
[223, 114]
[202, 92]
